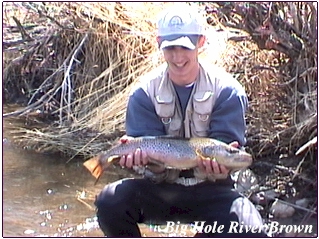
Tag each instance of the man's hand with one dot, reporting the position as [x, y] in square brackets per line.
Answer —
[138, 158]
[157, 173]
[213, 167]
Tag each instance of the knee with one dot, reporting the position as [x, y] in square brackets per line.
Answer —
[114, 197]
[102, 199]
[107, 199]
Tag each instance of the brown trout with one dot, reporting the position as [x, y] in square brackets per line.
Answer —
[177, 153]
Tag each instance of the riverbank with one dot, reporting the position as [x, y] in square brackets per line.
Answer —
[73, 65]
[75, 73]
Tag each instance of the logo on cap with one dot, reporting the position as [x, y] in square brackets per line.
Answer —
[176, 22]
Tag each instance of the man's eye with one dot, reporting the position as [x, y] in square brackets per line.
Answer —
[169, 48]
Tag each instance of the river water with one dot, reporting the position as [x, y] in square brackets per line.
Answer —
[43, 196]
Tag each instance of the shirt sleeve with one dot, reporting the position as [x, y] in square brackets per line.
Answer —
[141, 117]
[228, 116]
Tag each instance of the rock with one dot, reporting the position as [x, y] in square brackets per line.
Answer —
[245, 181]
[281, 210]
[302, 202]
[29, 231]
[264, 197]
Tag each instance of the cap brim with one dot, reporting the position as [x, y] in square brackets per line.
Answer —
[183, 41]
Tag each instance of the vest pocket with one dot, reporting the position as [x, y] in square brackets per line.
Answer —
[165, 107]
[203, 104]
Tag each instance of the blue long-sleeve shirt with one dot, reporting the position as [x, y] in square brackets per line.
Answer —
[227, 119]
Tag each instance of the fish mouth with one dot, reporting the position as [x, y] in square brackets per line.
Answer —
[240, 162]
[244, 160]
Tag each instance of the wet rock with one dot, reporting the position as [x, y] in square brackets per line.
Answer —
[245, 181]
[302, 202]
[50, 191]
[281, 210]
[64, 207]
[264, 197]
[29, 231]
[5, 141]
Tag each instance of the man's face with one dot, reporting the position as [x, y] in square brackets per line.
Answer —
[182, 63]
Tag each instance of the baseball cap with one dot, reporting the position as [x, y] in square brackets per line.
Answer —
[180, 25]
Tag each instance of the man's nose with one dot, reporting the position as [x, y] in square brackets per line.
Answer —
[178, 52]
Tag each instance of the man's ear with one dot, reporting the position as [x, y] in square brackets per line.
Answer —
[201, 41]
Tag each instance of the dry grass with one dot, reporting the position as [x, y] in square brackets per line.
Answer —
[84, 58]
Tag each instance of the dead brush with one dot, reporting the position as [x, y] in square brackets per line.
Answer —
[85, 83]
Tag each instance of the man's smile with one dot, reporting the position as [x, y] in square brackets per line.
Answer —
[179, 66]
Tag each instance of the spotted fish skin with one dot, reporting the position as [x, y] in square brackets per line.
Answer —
[177, 153]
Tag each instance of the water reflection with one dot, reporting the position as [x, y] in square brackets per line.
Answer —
[45, 197]
[40, 195]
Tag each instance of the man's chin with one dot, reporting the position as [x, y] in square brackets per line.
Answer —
[179, 72]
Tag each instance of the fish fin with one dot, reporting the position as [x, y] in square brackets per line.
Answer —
[94, 166]
[97, 179]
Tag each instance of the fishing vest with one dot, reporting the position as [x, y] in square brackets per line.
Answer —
[206, 90]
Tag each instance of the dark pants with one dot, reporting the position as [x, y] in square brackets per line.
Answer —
[123, 204]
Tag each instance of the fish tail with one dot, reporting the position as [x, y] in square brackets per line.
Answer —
[94, 166]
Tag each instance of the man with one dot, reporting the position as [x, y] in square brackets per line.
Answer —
[185, 99]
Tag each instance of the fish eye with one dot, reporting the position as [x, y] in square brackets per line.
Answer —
[207, 151]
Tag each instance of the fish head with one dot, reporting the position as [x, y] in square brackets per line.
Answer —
[229, 156]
